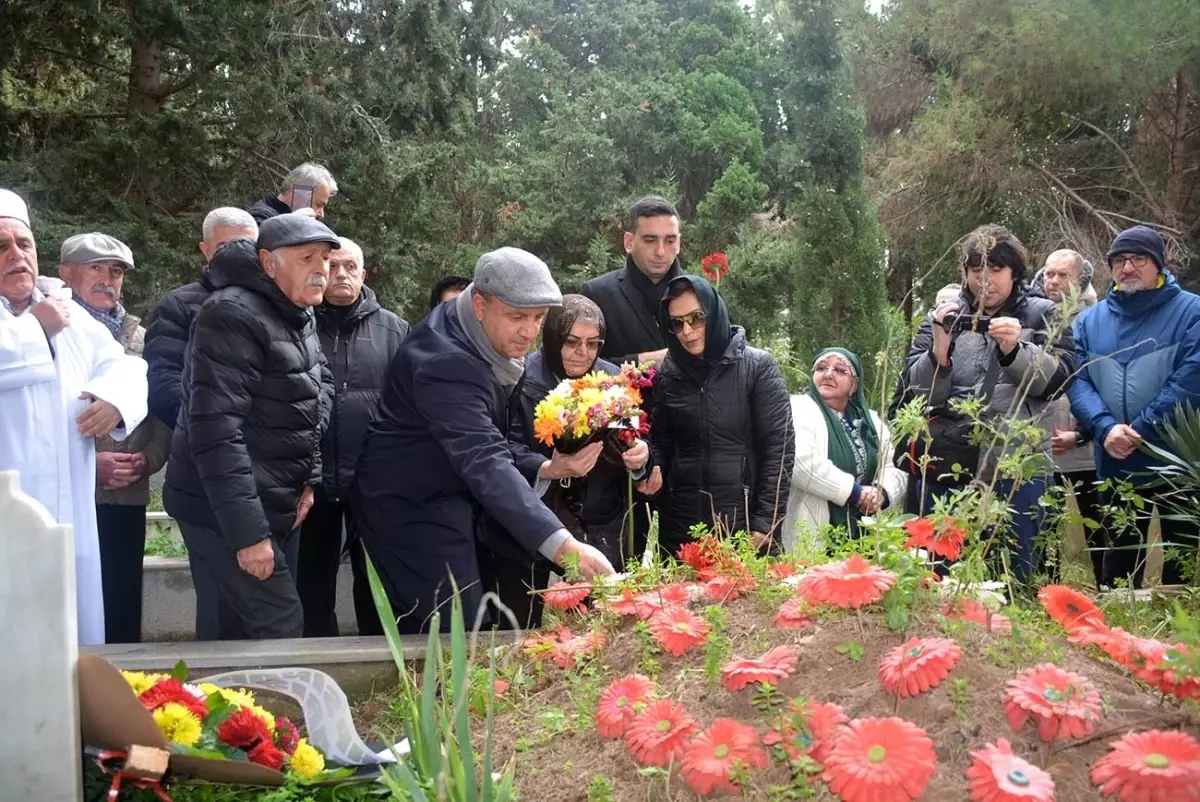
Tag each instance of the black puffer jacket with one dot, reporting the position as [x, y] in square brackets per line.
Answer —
[723, 436]
[359, 343]
[267, 207]
[166, 342]
[256, 398]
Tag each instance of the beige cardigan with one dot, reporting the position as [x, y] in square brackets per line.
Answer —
[816, 481]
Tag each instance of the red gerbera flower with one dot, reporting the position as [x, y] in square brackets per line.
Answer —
[794, 614]
[1063, 704]
[544, 643]
[771, 667]
[918, 665]
[286, 734]
[852, 582]
[694, 555]
[722, 589]
[568, 652]
[243, 729]
[809, 729]
[710, 759]
[997, 775]
[170, 689]
[266, 754]
[658, 734]
[620, 702]
[880, 760]
[715, 266]
[1070, 608]
[565, 595]
[976, 612]
[625, 604]
[652, 601]
[1151, 766]
[942, 539]
[780, 570]
[677, 629]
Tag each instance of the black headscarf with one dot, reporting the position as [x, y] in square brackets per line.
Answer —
[717, 329]
[559, 322]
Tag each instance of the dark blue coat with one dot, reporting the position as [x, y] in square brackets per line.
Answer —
[1139, 356]
[435, 463]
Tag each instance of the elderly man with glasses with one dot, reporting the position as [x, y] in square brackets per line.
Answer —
[1139, 352]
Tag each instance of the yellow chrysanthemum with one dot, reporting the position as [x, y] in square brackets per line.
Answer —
[208, 689]
[140, 681]
[307, 761]
[177, 724]
[267, 718]
[241, 698]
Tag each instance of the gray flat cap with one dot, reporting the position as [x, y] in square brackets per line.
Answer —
[518, 278]
[287, 230]
[86, 249]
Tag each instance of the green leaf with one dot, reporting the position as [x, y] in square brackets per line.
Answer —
[180, 671]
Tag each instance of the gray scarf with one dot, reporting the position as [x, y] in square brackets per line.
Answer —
[507, 371]
[113, 319]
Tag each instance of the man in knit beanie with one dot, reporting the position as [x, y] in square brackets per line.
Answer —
[1140, 352]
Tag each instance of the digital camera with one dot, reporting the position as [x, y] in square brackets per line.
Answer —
[956, 322]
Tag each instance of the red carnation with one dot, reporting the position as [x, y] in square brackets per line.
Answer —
[244, 730]
[172, 690]
[265, 754]
[286, 734]
[693, 554]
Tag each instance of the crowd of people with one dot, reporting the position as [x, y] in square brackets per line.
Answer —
[299, 420]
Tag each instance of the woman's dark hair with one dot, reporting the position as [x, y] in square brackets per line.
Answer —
[679, 288]
[650, 206]
[448, 283]
[995, 245]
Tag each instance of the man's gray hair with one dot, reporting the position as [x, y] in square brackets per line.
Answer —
[1066, 253]
[228, 216]
[309, 174]
[348, 244]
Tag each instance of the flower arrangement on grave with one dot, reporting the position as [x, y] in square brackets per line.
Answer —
[205, 720]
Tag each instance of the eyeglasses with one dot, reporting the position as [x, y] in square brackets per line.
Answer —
[1138, 260]
[694, 320]
[841, 371]
[577, 344]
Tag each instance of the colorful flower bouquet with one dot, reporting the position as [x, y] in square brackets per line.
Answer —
[580, 411]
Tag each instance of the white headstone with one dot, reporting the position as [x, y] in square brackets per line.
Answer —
[40, 755]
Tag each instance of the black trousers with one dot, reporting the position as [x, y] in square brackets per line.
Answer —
[512, 581]
[254, 609]
[122, 530]
[321, 546]
[1127, 558]
[1087, 496]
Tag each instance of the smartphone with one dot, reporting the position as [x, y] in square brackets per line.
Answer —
[302, 198]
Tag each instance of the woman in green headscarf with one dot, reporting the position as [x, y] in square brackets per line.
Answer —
[842, 469]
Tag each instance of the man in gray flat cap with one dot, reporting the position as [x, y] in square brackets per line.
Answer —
[255, 404]
[437, 465]
[94, 266]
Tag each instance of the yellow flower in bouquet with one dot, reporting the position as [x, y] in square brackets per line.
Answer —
[307, 762]
[141, 682]
[178, 724]
[577, 409]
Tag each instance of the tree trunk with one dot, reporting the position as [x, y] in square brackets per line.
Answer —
[145, 77]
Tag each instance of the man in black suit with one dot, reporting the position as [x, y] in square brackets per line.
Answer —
[630, 297]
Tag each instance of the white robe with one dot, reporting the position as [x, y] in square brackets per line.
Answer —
[39, 438]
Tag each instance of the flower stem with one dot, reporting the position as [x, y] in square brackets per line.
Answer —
[629, 515]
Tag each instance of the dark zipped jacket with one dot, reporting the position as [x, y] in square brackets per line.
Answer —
[166, 342]
[358, 345]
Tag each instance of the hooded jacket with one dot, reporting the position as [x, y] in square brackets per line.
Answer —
[255, 404]
[1021, 384]
[722, 429]
[1140, 354]
[267, 207]
[166, 342]
[358, 343]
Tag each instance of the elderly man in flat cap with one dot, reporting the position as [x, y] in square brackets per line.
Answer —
[94, 266]
[437, 463]
[255, 404]
[64, 381]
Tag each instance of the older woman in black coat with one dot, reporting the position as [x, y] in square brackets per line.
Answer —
[722, 423]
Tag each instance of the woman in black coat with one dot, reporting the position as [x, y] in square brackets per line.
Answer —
[722, 423]
[593, 508]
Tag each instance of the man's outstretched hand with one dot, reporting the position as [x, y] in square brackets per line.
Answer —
[591, 562]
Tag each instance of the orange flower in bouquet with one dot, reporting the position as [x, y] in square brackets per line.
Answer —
[578, 411]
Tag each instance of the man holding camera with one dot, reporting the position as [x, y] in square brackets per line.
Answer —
[306, 190]
[1139, 351]
[997, 344]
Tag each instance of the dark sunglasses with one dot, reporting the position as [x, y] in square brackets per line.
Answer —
[694, 320]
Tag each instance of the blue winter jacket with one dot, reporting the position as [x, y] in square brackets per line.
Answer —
[1138, 356]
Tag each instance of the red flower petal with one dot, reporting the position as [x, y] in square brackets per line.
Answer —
[677, 630]
[880, 760]
[997, 775]
[976, 612]
[709, 760]
[620, 703]
[287, 737]
[809, 729]
[1070, 608]
[694, 555]
[771, 667]
[265, 754]
[566, 596]
[243, 729]
[918, 665]
[170, 689]
[567, 653]
[658, 734]
[625, 604]
[795, 614]
[1153, 765]
[653, 601]
[721, 589]
[1062, 704]
[851, 583]
[941, 539]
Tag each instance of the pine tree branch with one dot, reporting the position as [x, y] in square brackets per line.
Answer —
[1075, 196]
[1148, 198]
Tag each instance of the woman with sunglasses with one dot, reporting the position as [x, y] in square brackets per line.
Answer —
[722, 423]
[842, 448]
[592, 508]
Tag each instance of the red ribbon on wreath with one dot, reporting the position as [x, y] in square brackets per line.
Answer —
[118, 774]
